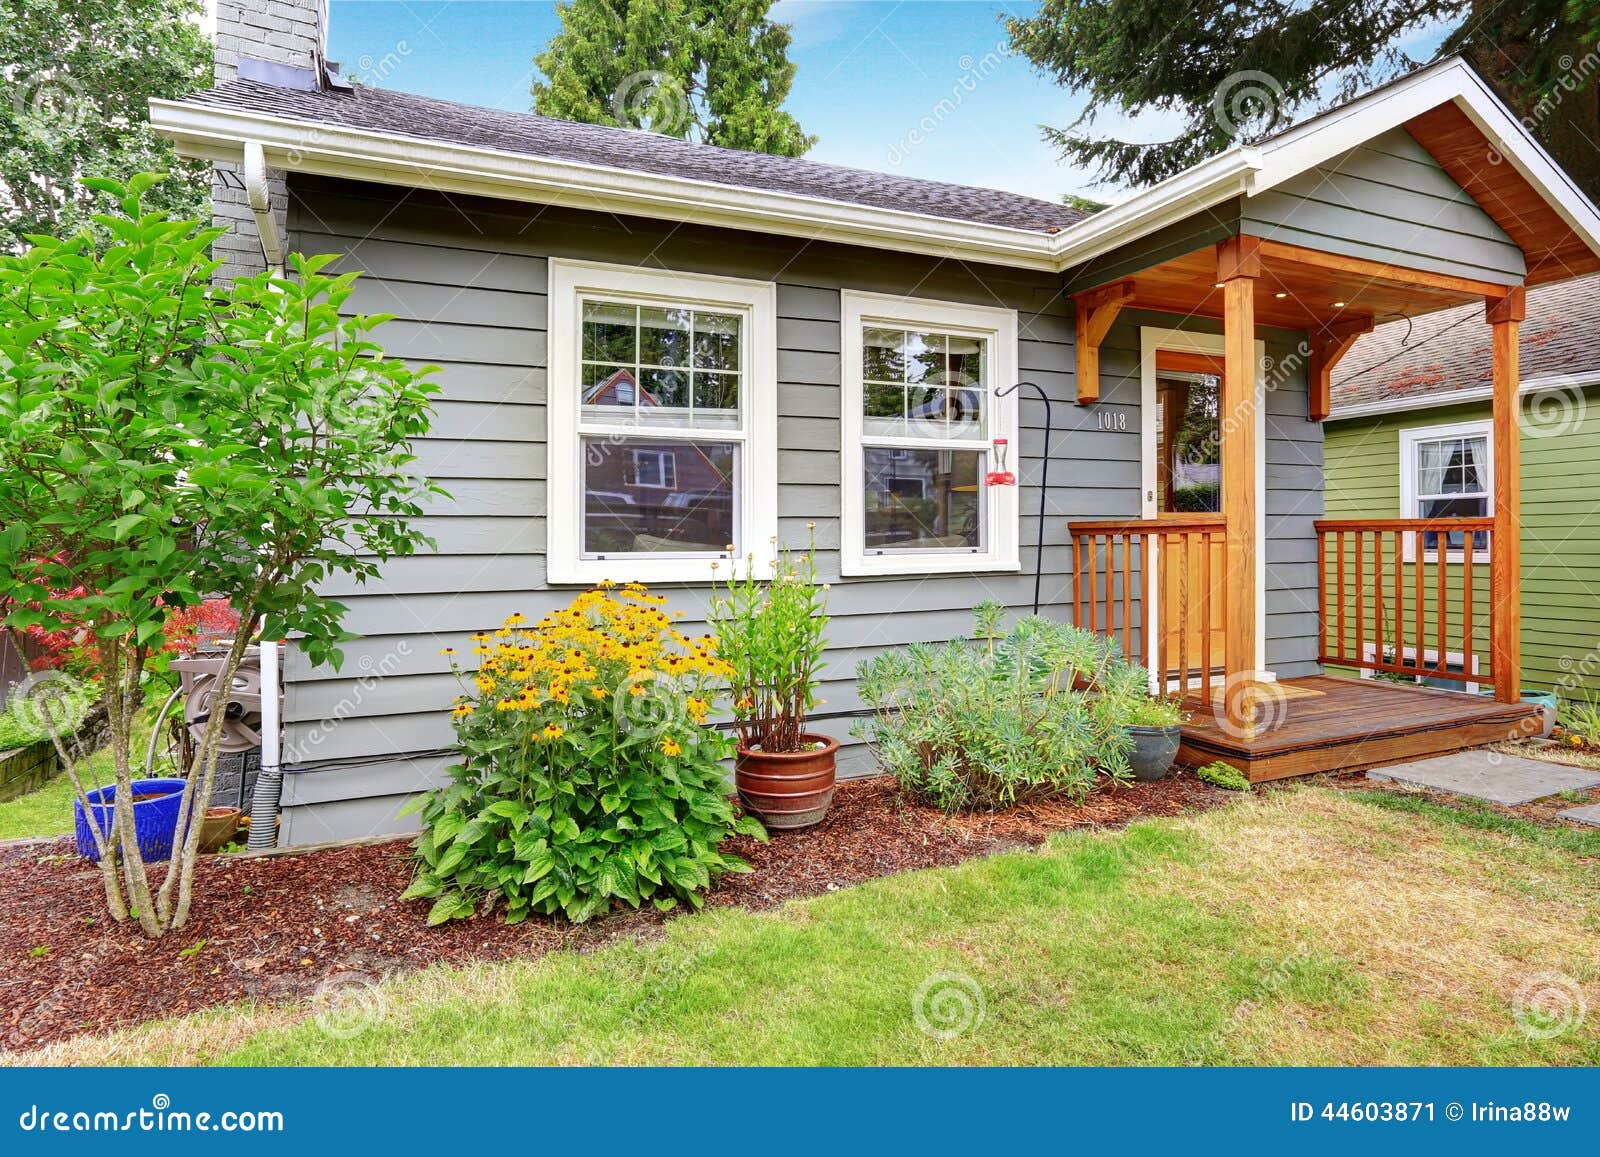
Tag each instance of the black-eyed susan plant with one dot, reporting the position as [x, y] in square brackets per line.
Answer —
[589, 774]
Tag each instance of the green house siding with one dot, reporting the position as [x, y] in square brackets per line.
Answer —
[1560, 531]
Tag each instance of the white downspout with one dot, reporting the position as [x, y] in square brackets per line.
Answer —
[258, 191]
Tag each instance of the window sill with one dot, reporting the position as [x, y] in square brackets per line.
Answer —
[879, 565]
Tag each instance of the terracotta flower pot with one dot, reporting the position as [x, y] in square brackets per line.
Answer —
[218, 828]
[788, 789]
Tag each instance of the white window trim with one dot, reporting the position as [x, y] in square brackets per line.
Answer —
[998, 328]
[756, 495]
[1409, 508]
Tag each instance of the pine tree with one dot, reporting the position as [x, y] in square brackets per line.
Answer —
[1238, 72]
[715, 71]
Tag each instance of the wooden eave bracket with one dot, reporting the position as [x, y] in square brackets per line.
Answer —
[1512, 307]
[1097, 310]
[1328, 346]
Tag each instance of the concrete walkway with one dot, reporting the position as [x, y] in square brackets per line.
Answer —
[1589, 814]
[1491, 776]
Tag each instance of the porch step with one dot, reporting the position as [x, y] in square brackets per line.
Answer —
[1331, 723]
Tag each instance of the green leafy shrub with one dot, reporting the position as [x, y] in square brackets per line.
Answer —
[1151, 711]
[589, 775]
[977, 725]
[1224, 775]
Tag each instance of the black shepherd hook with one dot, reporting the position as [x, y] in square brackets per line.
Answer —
[1044, 476]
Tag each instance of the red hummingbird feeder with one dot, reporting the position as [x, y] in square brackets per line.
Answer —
[1002, 476]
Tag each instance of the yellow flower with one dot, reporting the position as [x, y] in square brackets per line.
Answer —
[670, 747]
[637, 690]
[553, 731]
[447, 651]
[598, 692]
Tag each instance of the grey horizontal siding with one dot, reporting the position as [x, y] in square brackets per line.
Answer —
[1387, 200]
[466, 281]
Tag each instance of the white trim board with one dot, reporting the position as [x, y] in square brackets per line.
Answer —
[1151, 340]
[1407, 466]
[998, 327]
[220, 134]
[756, 498]
[1469, 396]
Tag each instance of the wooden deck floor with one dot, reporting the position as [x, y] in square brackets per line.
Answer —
[1331, 723]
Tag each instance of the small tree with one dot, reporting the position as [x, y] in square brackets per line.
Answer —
[163, 440]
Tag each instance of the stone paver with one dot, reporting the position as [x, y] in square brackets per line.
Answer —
[1488, 775]
[1588, 814]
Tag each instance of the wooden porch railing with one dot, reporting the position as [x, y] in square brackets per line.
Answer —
[1408, 596]
[1184, 555]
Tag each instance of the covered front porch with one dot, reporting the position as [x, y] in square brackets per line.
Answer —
[1417, 620]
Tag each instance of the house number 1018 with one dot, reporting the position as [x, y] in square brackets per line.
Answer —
[1112, 420]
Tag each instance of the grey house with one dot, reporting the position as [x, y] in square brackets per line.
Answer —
[803, 343]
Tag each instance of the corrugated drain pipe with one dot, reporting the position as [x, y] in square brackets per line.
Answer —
[265, 800]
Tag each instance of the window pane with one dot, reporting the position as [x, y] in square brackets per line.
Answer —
[921, 500]
[883, 357]
[650, 497]
[662, 390]
[605, 385]
[966, 413]
[966, 360]
[664, 336]
[925, 357]
[608, 332]
[716, 341]
[716, 391]
[1454, 508]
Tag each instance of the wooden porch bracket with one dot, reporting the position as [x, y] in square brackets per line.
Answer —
[1097, 310]
[1505, 316]
[1327, 347]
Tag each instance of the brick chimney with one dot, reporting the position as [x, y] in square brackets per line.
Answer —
[288, 33]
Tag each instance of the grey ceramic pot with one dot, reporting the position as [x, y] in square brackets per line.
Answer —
[1154, 749]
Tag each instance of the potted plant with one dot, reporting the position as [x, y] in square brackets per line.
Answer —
[1155, 726]
[771, 633]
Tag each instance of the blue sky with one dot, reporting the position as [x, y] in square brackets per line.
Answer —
[871, 78]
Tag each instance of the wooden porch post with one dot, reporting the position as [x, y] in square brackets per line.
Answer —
[1505, 315]
[1238, 266]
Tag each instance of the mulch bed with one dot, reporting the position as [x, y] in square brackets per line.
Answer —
[275, 928]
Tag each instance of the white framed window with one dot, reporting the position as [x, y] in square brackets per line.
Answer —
[1447, 472]
[921, 425]
[662, 408]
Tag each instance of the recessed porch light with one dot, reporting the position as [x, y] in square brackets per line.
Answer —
[1340, 304]
[1280, 295]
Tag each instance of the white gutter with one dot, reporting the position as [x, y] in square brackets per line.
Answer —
[1433, 401]
[258, 192]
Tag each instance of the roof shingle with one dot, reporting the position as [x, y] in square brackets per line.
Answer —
[1445, 352]
[427, 118]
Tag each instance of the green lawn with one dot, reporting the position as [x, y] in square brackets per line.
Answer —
[1301, 927]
